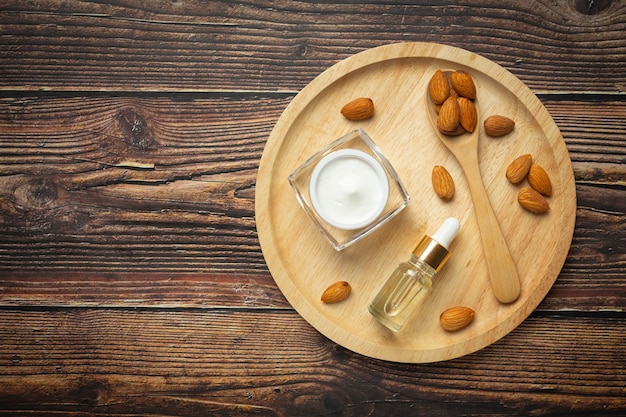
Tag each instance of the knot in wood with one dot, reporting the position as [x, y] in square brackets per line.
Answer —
[93, 393]
[590, 7]
[134, 129]
[302, 50]
[40, 191]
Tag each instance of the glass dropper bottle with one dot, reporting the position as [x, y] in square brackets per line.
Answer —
[408, 286]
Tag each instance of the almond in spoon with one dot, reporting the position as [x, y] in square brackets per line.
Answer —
[463, 84]
[439, 87]
[449, 116]
[468, 117]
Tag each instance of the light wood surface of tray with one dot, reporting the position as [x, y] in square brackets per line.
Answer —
[303, 263]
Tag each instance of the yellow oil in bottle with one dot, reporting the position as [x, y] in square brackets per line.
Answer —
[406, 289]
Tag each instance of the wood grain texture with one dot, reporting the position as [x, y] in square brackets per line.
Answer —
[139, 292]
[199, 46]
[270, 363]
[61, 184]
[194, 213]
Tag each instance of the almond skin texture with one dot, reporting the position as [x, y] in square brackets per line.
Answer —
[538, 179]
[468, 117]
[443, 184]
[338, 291]
[532, 201]
[456, 132]
[358, 109]
[496, 126]
[456, 318]
[518, 169]
[439, 87]
[449, 115]
[463, 84]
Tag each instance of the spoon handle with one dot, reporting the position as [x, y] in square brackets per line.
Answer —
[503, 273]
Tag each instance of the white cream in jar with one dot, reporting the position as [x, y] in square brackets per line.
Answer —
[349, 189]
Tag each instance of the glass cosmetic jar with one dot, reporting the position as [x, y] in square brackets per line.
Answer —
[349, 189]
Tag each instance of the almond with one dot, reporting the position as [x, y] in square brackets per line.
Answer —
[449, 115]
[468, 117]
[496, 126]
[456, 318]
[439, 87]
[358, 109]
[532, 201]
[338, 291]
[463, 84]
[538, 179]
[443, 184]
[518, 169]
[456, 132]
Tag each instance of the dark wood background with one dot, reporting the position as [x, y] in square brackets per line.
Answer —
[127, 291]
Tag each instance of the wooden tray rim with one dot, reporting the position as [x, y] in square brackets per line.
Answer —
[333, 74]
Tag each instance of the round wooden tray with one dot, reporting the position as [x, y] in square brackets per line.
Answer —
[303, 263]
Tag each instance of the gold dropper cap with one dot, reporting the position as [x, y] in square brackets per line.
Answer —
[434, 250]
[431, 252]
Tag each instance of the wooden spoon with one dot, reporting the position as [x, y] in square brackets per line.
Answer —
[503, 274]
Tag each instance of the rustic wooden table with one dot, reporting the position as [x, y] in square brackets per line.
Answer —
[132, 290]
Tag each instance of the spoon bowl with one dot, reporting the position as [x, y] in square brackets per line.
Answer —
[503, 273]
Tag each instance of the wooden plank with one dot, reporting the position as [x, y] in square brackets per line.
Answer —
[147, 362]
[218, 46]
[228, 289]
[76, 230]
